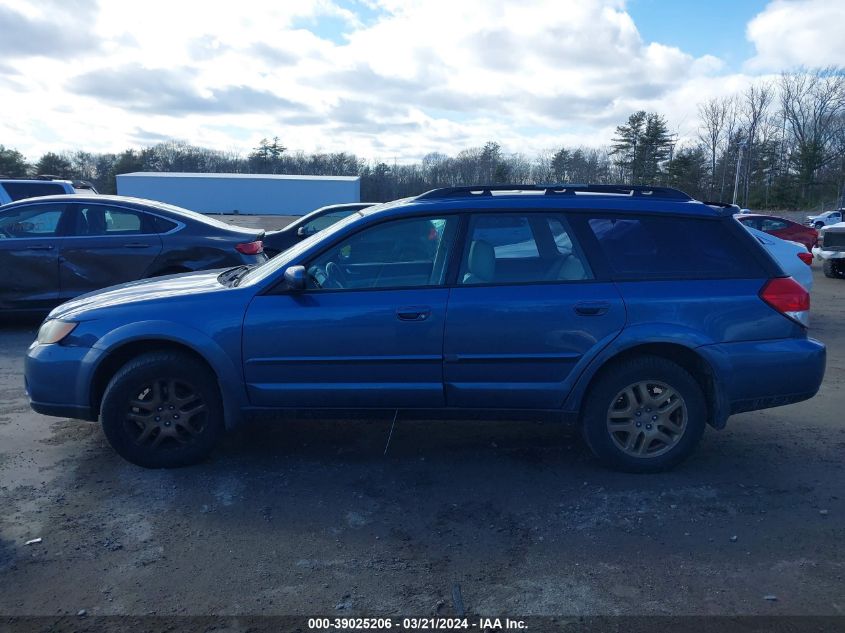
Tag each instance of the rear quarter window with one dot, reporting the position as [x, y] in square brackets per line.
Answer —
[21, 190]
[652, 247]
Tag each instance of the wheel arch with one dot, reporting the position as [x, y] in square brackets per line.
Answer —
[121, 349]
[686, 357]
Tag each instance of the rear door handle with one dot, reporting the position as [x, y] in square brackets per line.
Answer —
[40, 247]
[592, 308]
[413, 313]
[136, 245]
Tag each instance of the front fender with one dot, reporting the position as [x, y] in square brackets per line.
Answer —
[228, 370]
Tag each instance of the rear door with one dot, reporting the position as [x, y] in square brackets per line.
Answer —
[525, 310]
[29, 252]
[108, 245]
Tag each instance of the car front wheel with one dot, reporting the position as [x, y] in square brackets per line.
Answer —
[644, 415]
[163, 410]
[835, 269]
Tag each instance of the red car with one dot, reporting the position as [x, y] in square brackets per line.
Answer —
[781, 227]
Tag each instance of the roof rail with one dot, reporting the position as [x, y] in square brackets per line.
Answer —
[664, 193]
[722, 205]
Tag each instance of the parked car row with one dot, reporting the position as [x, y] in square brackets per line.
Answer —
[636, 313]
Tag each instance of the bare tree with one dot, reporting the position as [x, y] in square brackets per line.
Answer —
[757, 99]
[713, 116]
[813, 103]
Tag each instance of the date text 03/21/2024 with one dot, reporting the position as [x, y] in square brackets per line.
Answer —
[416, 624]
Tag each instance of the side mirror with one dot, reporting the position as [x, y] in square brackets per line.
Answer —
[295, 277]
[303, 231]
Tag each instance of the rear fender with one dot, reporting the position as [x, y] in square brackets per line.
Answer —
[658, 334]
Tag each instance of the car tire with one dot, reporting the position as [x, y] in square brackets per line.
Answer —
[163, 410]
[655, 436]
[818, 226]
[833, 268]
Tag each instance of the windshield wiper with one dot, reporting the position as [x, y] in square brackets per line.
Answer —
[230, 277]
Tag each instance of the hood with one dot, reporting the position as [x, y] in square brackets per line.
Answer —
[834, 228]
[146, 290]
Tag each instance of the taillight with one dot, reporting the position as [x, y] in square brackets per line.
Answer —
[250, 248]
[806, 257]
[789, 298]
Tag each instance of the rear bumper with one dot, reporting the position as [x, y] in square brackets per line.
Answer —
[756, 375]
[57, 380]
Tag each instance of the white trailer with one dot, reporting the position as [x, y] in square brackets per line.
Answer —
[260, 194]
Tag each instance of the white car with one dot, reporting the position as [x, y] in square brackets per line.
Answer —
[824, 219]
[830, 250]
[792, 257]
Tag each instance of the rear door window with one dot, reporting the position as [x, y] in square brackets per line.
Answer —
[21, 190]
[102, 220]
[520, 248]
[672, 248]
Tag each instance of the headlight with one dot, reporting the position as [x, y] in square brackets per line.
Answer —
[53, 331]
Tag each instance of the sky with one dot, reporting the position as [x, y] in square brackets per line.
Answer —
[385, 79]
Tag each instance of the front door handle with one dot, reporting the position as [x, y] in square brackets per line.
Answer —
[413, 313]
[592, 308]
[136, 245]
[40, 247]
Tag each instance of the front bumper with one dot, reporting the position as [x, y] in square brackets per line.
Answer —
[58, 380]
[820, 253]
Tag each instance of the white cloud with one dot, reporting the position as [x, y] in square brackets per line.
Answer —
[790, 33]
[425, 75]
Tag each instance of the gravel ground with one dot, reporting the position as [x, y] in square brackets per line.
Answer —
[310, 517]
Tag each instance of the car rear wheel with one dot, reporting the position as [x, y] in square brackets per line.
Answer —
[163, 410]
[835, 269]
[644, 415]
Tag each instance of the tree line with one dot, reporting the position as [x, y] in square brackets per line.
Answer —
[777, 145]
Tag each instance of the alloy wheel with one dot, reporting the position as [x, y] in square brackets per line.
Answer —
[165, 414]
[647, 419]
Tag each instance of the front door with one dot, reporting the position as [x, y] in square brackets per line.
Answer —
[29, 251]
[108, 245]
[526, 309]
[368, 330]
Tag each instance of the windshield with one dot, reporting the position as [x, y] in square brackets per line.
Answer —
[281, 261]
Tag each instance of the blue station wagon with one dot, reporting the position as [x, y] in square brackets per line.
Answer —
[638, 313]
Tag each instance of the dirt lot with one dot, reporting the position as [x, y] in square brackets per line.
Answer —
[310, 517]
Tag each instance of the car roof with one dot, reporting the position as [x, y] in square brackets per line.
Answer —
[537, 197]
